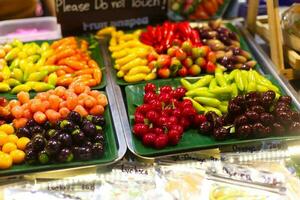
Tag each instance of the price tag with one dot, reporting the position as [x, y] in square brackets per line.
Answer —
[78, 16]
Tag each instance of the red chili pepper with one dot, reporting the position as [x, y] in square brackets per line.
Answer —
[184, 30]
[158, 34]
[195, 38]
[150, 31]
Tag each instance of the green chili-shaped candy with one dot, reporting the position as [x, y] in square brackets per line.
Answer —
[212, 84]
[14, 63]
[204, 81]
[245, 79]
[41, 87]
[52, 79]
[231, 76]
[4, 87]
[49, 68]
[19, 88]
[208, 101]
[37, 76]
[251, 86]
[217, 111]
[221, 90]
[203, 91]
[6, 72]
[196, 105]
[235, 91]
[12, 82]
[220, 78]
[186, 84]
[223, 108]
[239, 80]
[262, 88]
[12, 54]
[17, 74]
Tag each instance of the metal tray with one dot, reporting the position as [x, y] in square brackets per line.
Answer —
[266, 68]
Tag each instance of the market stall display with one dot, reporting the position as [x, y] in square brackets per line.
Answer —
[176, 50]
[197, 10]
[41, 67]
[239, 75]
[65, 121]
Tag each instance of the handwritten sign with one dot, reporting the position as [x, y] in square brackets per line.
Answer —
[78, 16]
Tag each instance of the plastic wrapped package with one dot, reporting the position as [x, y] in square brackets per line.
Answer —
[181, 182]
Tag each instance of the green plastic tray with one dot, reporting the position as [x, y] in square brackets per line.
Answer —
[95, 54]
[110, 154]
[191, 138]
[230, 26]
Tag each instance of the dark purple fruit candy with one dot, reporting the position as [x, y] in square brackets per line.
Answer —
[258, 109]
[38, 143]
[75, 117]
[295, 116]
[99, 138]
[228, 118]
[219, 122]
[65, 155]
[267, 131]
[98, 120]
[99, 130]
[258, 128]
[240, 100]
[267, 118]
[233, 108]
[36, 129]
[252, 95]
[253, 102]
[252, 116]
[97, 150]
[78, 136]
[51, 133]
[47, 125]
[65, 139]
[206, 128]
[267, 102]
[43, 157]
[53, 147]
[87, 144]
[244, 131]
[66, 125]
[82, 153]
[285, 99]
[295, 127]
[31, 123]
[89, 129]
[284, 118]
[240, 120]
[30, 156]
[278, 129]
[23, 132]
[211, 116]
[270, 94]
[220, 133]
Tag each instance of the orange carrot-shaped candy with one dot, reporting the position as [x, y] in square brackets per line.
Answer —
[93, 64]
[64, 80]
[84, 71]
[97, 75]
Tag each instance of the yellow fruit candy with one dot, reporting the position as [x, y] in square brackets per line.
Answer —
[9, 147]
[7, 128]
[3, 138]
[5, 161]
[22, 142]
[13, 138]
[17, 156]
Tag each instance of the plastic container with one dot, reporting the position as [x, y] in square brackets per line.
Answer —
[29, 29]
